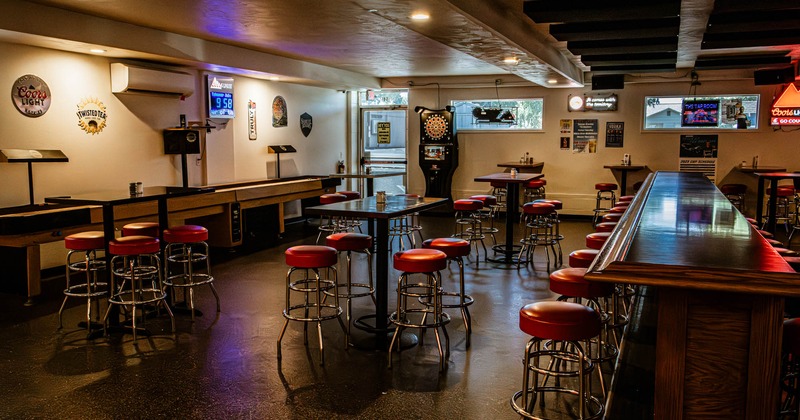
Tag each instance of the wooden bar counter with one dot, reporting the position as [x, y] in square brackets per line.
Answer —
[719, 290]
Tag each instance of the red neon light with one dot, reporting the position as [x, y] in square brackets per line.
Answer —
[786, 109]
[789, 98]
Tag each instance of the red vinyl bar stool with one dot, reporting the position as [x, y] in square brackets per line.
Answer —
[86, 245]
[596, 240]
[349, 242]
[605, 226]
[487, 213]
[790, 369]
[735, 193]
[606, 191]
[572, 286]
[332, 224]
[469, 225]
[617, 209]
[560, 331]
[534, 189]
[456, 249]
[135, 262]
[312, 289]
[784, 197]
[150, 229]
[611, 217]
[557, 205]
[428, 262]
[186, 249]
[582, 258]
[626, 198]
[539, 231]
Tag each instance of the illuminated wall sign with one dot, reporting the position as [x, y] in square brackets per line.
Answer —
[31, 96]
[220, 97]
[593, 103]
[786, 110]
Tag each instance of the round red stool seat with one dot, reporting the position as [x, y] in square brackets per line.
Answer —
[605, 186]
[765, 233]
[596, 240]
[466, 204]
[611, 217]
[538, 208]
[134, 245]
[351, 195]
[452, 247]
[535, 183]
[557, 204]
[782, 191]
[332, 198]
[420, 260]
[571, 282]
[564, 321]
[622, 204]
[311, 256]
[775, 242]
[605, 226]
[488, 200]
[617, 210]
[349, 241]
[626, 198]
[752, 221]
[186, 234]
[733, 189]
[785, 252]
[85, 241]
[582, 258]
[141, 229]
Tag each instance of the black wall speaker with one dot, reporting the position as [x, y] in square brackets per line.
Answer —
[611, 81]
[774, 76]
[177, 142]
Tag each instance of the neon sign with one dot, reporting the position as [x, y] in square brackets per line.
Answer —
[786, 109]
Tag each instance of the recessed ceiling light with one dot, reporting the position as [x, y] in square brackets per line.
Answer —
[420, 16]
[511, 60]
[552, 81]
[97, 50]
[274, 78]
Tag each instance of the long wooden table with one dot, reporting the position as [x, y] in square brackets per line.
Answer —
[720, 288]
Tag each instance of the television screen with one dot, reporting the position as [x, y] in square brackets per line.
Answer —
[700, 113]
[220, 97]
[434, 152]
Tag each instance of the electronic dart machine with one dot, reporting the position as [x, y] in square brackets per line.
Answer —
[438, 150]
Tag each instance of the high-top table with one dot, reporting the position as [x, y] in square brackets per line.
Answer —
[623, 179]
[508, 250]
[773, 178]
[719, 289]
[368, 208]
[533, 167]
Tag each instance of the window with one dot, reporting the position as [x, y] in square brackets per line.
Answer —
[501, 115]
[730, 112]
[383, 97]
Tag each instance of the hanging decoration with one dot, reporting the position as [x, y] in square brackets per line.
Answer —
[91, 115]
[251, 120]
[31, 96]
[279, 112]
[306, 123]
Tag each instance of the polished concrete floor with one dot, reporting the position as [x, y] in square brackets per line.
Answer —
[225, 365]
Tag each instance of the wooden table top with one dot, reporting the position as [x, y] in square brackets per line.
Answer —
[368, 207]
[680, 231]
[750, 169]
[506, 177]
[625, 167]
[520, 165]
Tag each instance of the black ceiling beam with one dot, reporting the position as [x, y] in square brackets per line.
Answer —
[552, 11]
[749, 39]
[633, 68]
[644, 58]
[754, 21]
[738, 6]
[616, 29]
[634, 45]
[734, 61]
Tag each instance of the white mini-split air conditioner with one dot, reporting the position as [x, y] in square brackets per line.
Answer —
[133, 79]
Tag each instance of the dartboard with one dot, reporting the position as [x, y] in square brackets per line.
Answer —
[436, 126]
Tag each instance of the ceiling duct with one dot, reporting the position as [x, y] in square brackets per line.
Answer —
[126, 78]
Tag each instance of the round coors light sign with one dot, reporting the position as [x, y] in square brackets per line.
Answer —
[31, 96]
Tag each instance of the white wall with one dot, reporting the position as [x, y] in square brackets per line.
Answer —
[571, 177]
[130, 148]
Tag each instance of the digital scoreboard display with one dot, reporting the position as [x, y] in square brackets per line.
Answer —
[220, 97]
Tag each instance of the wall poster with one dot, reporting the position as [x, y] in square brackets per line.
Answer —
[584, 139]
[279, 112]
[614, 133]
[698, 153]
